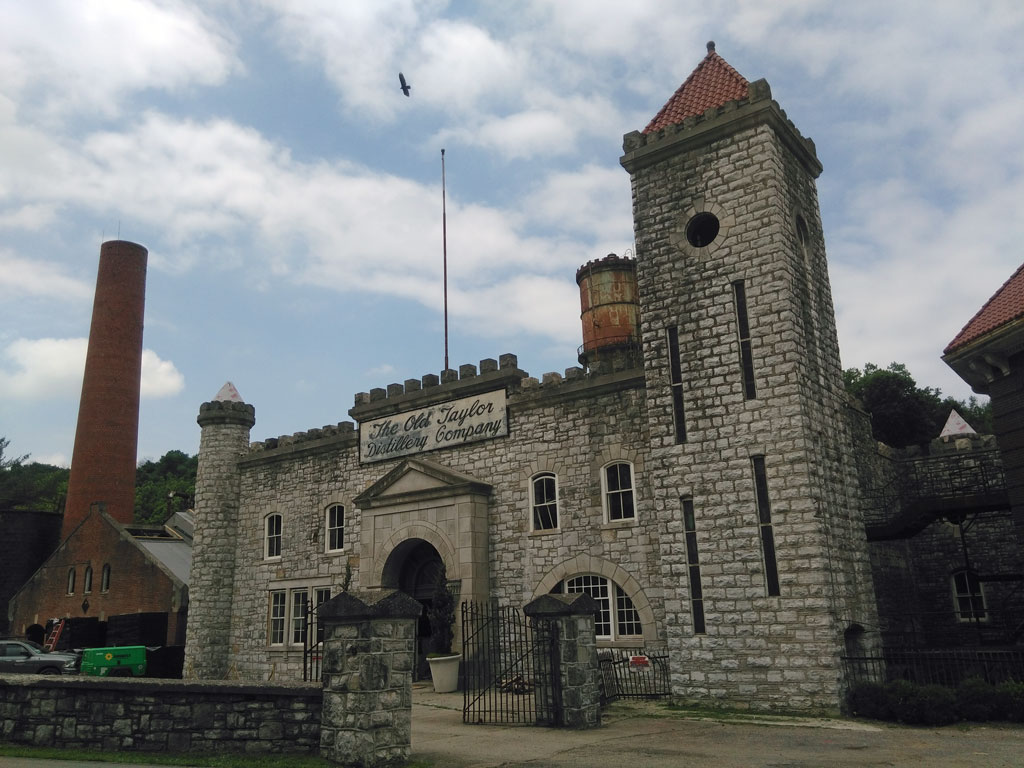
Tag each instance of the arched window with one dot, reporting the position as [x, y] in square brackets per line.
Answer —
[616, 617]
[544, 502]
[272, 539]
[71, 581]
[617, 491]
[105, 578]
[969, 597]
[335, 528]
[87, 581]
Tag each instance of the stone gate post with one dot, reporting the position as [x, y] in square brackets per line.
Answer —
[368, 658]
[578, 675]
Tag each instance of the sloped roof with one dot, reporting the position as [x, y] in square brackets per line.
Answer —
[1006, 305]
[711, 84]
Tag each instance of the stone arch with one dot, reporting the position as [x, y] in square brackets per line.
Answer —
[599, 566]
[403, 540]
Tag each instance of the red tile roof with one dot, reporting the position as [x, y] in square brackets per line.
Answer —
[1006, 305]
[711, 84]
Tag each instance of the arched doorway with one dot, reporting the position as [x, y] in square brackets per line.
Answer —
[415, 567]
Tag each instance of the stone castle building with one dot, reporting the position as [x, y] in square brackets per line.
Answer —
[695, 475]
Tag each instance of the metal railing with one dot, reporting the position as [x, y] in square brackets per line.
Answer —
[947, 667]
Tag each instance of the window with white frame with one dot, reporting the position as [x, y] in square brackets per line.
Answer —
[277, 617]
[87, 581]
[617, 617]
[968, 597]
[71, 581]
[272, 537]
[544, 501]
[289, 615]
[617, 485]
[335, 528]
[299, 604]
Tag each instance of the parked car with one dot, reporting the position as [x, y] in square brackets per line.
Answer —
[22, 656]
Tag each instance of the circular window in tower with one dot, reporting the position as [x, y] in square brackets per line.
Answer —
[702, 230]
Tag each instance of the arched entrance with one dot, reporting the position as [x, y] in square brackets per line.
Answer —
[415, 567]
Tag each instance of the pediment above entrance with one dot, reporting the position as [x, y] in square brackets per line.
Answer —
[416, 480]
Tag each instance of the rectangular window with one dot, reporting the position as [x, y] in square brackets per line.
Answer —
[693, 566]
[278, 608]
[969, 597]
[764, 517]
[335, 527]
[300, 599]
[743, 328]
[676, 376]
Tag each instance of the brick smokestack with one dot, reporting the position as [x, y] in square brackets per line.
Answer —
[106, 440]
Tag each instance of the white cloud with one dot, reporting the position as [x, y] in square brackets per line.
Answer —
[40, 369]
[23, 277]
[159, 377]
[66, 56]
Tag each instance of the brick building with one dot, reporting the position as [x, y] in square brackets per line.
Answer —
[695, 475]
[122, 585]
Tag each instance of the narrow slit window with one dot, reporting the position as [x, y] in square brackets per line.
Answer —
[335, 528]
[676, 374]
[693, 567]
[764, 517]
[743, 329]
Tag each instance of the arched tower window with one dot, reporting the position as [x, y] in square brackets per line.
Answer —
[335, 523]
[87, 581]
[544, 501]
[617, 491]
[272, 539]
[105, 578]
[71, 581]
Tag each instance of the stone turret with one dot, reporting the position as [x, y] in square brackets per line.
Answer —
[225, 424]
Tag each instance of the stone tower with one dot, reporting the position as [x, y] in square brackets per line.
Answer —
[107, 435]
[763, 550]
[225, 423]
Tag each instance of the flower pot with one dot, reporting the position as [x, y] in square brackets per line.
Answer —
[444, 671]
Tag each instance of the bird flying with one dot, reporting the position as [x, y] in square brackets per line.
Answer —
[405, 86]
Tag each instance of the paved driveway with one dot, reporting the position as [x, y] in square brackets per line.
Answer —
[640, 735]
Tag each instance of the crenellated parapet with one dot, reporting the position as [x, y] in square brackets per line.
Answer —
[226, 412]
[644, 149]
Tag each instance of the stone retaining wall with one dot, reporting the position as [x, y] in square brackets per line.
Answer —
[159, 715]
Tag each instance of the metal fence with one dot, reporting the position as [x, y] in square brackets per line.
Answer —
[633, 673]
[947, 667]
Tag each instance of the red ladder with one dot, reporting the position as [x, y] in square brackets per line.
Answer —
[54, 636]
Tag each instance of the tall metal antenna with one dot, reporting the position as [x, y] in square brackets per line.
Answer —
[444, 243]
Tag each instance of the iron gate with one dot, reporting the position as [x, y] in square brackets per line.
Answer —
[312, 647]
[511, 667]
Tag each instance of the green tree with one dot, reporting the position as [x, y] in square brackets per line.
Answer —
[902, 413]
[30, 485]
[164, 486]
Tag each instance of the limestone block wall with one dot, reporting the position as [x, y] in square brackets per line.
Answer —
[748, 167]
[570, 425]
[159, 715]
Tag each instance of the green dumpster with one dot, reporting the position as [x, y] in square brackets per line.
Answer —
[124, 661]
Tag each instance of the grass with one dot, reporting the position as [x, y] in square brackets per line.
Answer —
[203, 760]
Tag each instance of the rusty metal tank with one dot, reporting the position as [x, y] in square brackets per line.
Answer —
[610, 311]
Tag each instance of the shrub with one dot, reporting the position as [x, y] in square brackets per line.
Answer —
[976, 700]
[926, 705]
[869, 700]
[1011, 697]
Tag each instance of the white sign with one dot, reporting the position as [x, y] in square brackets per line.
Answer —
[444, 425]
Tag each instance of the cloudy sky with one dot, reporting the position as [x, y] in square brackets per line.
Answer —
[290, 195]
